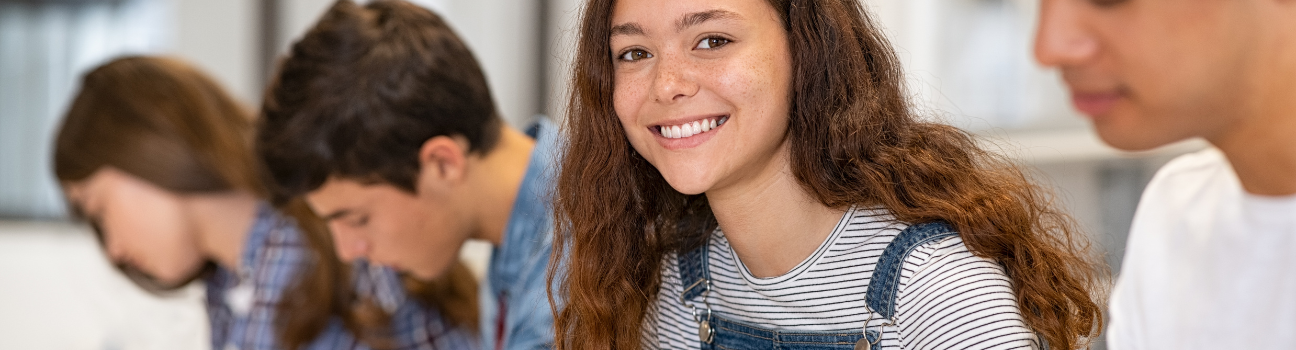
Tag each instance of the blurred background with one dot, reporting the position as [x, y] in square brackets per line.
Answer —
[968, 63]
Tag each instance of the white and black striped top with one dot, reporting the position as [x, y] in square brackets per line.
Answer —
[948, 298]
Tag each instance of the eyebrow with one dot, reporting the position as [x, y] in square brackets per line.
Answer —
[335, 215]
[684, 22]
[697, 18]
[627, 29]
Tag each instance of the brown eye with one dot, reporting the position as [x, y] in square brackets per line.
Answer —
[360, 221]
[713, 42]
[635, 55]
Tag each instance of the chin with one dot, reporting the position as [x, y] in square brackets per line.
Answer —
[689, 185]
[1133, 138]
[421, 275]
[434, 271]
[172, 279]
[689, 180]
[688, 189]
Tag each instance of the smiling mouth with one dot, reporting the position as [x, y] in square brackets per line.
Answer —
[691, 128]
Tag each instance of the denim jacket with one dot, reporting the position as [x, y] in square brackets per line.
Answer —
[514, 301]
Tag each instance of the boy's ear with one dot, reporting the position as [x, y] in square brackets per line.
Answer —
[443, 161]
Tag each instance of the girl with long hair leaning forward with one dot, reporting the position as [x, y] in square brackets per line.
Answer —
[746, 174]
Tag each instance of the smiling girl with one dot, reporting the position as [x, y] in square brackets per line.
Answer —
[158, 159]
[750, 174]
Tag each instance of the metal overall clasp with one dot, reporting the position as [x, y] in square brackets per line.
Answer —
[702, 316]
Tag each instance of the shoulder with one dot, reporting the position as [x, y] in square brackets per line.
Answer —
[951, 298]
[1190, 190]
[275, 252]
[946, 263]
[1188, 174]
[283, 232]
[1209, 159]
[548, 137]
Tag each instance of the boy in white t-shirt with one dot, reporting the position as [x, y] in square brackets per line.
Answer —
[1211, 258]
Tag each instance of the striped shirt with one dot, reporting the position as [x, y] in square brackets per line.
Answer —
[948, 298]
[243, 306]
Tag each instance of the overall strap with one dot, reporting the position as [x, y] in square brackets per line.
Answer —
[881, 297]
[694, 273]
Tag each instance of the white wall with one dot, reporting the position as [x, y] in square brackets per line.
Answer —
[221, 37]
[562, 28]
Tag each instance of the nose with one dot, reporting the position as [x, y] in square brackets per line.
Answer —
[1062, 39]
[673, 80]
[349, 245]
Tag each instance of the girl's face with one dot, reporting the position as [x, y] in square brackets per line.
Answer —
[702, 88]
[143, 226]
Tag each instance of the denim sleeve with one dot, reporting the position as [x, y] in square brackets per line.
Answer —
[530, 317]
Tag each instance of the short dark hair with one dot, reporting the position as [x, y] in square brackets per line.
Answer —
[364, 89]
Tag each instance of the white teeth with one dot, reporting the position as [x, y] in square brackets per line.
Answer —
[691, 128]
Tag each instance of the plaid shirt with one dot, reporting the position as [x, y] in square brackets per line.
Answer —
[242, 306]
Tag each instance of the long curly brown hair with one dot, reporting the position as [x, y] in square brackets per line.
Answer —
[854, 140]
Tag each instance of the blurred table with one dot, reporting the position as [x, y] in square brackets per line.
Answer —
[57, 291]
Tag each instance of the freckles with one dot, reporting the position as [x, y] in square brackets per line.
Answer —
[628, 96]
[756, 80]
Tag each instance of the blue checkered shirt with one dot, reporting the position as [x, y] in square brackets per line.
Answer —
[242, 306]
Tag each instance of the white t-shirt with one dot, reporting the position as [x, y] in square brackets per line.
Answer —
[1207, 266]
[948, 298]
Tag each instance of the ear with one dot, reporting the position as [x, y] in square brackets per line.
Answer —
[443, 162]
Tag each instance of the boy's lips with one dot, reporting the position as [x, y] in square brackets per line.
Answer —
[1096, 104]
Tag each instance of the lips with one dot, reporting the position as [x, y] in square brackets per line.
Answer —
[1096, 104]
[690, 129]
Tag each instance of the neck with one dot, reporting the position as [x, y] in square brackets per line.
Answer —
[223, 222]
[1263, 153]
[1260, 147]
[498, 178]
[770, 220]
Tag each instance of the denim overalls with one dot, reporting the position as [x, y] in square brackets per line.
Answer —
[718, 332]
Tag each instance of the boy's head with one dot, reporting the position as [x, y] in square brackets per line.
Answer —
[373, 118]
[1151, 72]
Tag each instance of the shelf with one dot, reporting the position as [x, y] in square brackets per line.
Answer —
[1073, 145]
